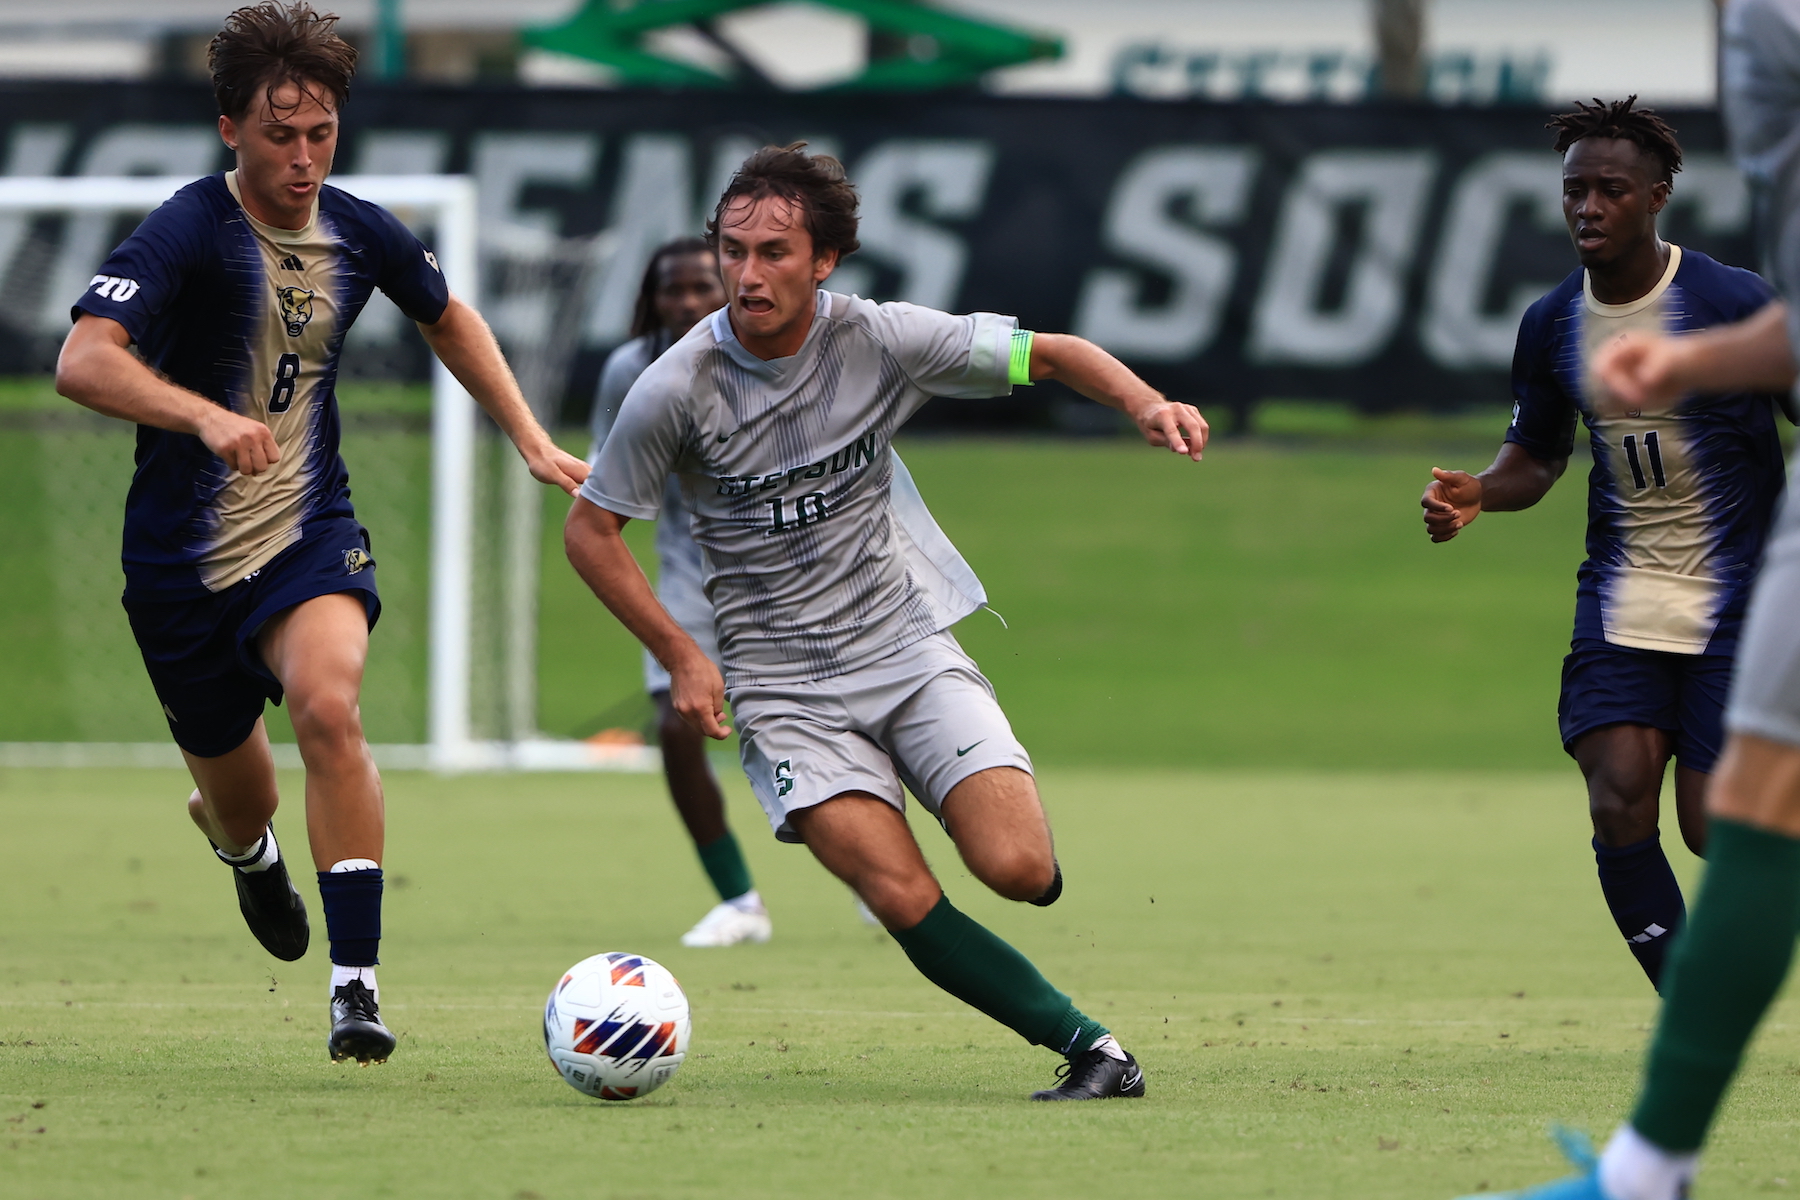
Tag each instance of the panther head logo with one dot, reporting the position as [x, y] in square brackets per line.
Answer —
[296, 308]
[356, 559]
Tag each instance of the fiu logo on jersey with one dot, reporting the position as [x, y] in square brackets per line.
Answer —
[111, 287]
[355, 560]
[296, 308]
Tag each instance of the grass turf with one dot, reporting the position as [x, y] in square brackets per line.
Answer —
[1351, 984]
[1276, 605]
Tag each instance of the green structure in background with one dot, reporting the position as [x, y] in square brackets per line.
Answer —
[914, 47]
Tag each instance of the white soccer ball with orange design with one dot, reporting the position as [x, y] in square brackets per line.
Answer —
[616, 1026]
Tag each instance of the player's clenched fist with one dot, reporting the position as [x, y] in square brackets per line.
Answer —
[1637, 371]
[1451, 501]
[1180, 427]
[558, 468]
[697, 691]
[247, 446]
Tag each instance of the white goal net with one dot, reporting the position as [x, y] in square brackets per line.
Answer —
[455, 517]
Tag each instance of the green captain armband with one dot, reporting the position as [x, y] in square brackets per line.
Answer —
[1018, 365]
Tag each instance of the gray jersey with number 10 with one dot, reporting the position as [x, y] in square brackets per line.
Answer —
[820, 555]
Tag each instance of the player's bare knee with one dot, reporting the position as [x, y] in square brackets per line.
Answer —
[326, 720]
[1620, 815]
[1017, 874]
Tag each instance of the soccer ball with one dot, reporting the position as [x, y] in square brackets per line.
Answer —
[616, 1026]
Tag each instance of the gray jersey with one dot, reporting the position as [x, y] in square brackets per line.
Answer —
[1760, 88]
[1760, 78]
[820, 555]
[679, 569]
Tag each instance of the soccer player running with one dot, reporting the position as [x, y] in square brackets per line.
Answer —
[681, 285]
[834, 590]
[1730, 962]
[247, 576]
[1680, 499]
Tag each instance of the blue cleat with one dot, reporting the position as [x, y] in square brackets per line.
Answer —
[1585, 1186]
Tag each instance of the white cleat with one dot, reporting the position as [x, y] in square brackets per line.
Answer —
[727, 925]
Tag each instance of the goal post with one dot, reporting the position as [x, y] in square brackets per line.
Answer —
[447, 205]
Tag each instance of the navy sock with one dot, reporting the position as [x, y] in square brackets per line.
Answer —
[1645, 900]
[352, 901]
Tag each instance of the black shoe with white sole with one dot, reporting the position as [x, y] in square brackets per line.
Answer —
[273, 910]
[1095, 1075]
[356, 1028]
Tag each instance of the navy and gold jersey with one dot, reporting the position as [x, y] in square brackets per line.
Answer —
[253, 318]
[1679, 501]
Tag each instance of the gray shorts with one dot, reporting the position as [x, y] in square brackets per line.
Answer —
[924, 717]
[1765, 696]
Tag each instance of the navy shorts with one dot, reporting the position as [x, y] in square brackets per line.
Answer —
[1685, 694]
[201, 653]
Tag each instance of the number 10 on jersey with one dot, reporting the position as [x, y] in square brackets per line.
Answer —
[808, 510]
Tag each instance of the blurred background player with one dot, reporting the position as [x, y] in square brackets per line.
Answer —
[681, 285]
[834, 590]
[1729, 964]
[247, 575]
[1680, 499]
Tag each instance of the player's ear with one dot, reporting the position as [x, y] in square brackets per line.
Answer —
[228, 131]
[824, 263]
[1659, 195]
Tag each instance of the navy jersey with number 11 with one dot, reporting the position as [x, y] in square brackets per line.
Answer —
[1680, 500]
[253, 318]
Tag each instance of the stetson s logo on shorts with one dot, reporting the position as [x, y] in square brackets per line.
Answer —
[784, 777]
[355, 560]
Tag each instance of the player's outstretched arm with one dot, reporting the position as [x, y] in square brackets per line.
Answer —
[1516, 480]
[605, 563]
[464, 343]
[1642, 371]
[1097, 375]
[97, 370]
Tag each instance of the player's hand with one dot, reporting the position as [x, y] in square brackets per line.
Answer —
[247, 446]
[698, 693]
[558, 468]
[1180, 427]
[1452, 501]
[1637, 371]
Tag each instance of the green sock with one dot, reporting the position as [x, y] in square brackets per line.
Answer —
[726, 867]
[1724, 971]
[984, 972]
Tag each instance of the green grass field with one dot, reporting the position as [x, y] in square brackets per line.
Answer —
[1327, 867]
[1340, 984]
[1276, 605]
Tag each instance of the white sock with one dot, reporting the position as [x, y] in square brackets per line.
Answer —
[1634, 1168]
[749, 902]
[342, 975]
[1110, 1045]
[355, 864]
[260, 857]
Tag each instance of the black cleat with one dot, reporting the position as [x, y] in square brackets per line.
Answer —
[1095, 1075]
[1054, 891]
[356, 1028]
[273, 910]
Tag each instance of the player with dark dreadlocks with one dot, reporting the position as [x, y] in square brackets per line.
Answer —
[1680, 501]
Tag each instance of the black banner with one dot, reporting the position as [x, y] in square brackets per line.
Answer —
[1380, 255]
